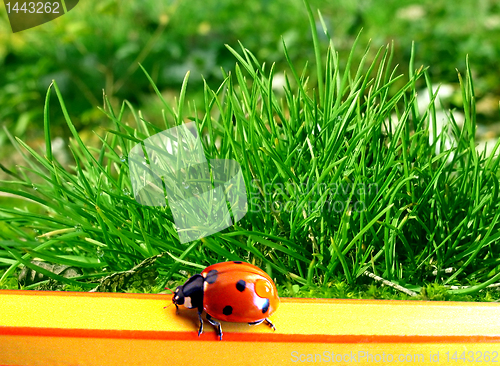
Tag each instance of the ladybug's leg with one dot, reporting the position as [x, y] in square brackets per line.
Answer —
[216, 324]
[257, 322]
[201, 323]
[268, 322]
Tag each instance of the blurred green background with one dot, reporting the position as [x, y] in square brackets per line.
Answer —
[97, 46]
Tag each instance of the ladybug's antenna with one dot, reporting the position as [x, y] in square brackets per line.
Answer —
[176, 307]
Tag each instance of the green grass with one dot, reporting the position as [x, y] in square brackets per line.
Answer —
[333, 189]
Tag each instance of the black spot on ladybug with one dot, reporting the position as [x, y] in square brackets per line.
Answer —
[241, 285]
[212, 276]
[237, 262]
[265, 308]
[228, 310]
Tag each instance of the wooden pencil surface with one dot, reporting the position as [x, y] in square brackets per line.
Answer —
[137, 327]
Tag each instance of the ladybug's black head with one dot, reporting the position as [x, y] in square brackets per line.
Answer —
[178, 298]
[190, 294]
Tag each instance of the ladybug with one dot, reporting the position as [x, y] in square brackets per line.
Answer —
[232, 292]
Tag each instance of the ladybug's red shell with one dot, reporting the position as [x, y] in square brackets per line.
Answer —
[238, 292]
